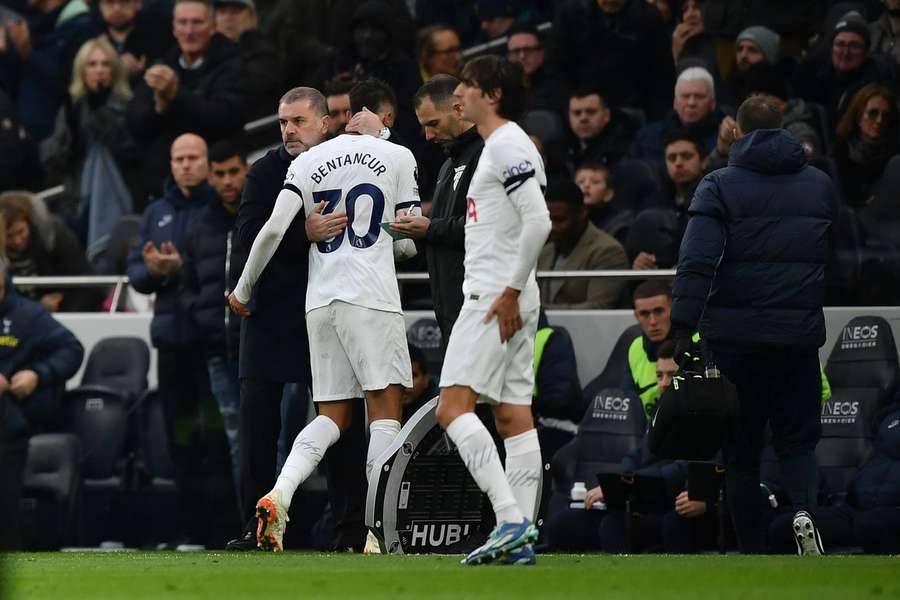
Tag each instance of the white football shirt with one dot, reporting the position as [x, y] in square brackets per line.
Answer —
[493, 222]
[369, 179]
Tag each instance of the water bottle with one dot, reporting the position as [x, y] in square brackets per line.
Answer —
[711, 372]
[579, 491]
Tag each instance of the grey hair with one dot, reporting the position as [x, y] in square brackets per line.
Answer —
[697, 74]
[315, 98]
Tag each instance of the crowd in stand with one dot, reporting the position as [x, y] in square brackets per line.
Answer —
[138, 108]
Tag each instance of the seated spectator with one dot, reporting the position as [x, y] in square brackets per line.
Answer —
[867, 138]
[798, 119]
[134, 34]
[37, 356]
[496, 18]
[622, 39]
[694, 109]
[832, 78]
[91, 152]
[439, 51]
[600, 133]
[237, 20]
[36, 58]
[20, 168]
[425, 387]
[880, 218]
[39, 243]
[199, 87]
[524, 46]
[337, 94]
[885, 31]
[576, 244]
[755, 45]
[558, 403]
[692, 45]
[684, 155]
[598, 188]
[869, 516]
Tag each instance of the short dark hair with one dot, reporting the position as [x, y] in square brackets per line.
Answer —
[683, 135]
[524, 28]
[758, 113]
[372, 94]
[666, 349]
[565, 191]
[340, 84]
[225, 150]
[593, 165]
[652, 288]
[417, 356]
[588, 90]
[440, 89]
[489, 73]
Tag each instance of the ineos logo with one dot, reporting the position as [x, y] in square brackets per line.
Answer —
[859, 333]
[426, 335]
[840, 409]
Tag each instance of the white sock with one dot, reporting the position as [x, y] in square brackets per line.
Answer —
[381, 434]
[308, 449]
[524, 470]
[478, 452]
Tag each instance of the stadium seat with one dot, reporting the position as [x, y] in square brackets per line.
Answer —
[546, 125]
[615, 369]
[634, 181]
[658, 232]
[51, 498]
[612, 426]
[124, 234]
[863, 373]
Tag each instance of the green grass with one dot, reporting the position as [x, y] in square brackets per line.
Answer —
[134, 576]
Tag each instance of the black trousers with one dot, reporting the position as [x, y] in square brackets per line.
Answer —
[783, 388]
[12, 476]
[345, 471]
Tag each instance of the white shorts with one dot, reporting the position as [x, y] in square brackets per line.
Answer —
[499, 373]
[354, 349]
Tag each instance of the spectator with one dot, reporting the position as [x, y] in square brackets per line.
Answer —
[596, 184]
[759, 306]
[21, 164]
[867, 137]
[442, 232]
[154, 266]
[885, 31]
[692, 45]
[36, 57]
[601, 134]
[440, 52]
[37, 357]
[755, 45]
[524, 46]
[652, 308]
[622, 38]
[39, 243]
[337, 95]
[136, 38]
[496, 18]
[577, 245]
[694, 110]
[237, 20]
[799, 120]
[90, 151]
[832, 79]
[198, 87]
[211, 249]
[424, 385]
[684, 155]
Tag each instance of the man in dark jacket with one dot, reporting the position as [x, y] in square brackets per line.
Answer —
[442, 233]
[601, 134]
[752, 264]
[37, 356]
[135, 34]
[154, 266]
[274, 346]
[198, 87]
[213, 261]
[622, 38]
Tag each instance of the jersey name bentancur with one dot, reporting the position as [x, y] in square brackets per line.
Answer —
[493, 222]
[371, 180]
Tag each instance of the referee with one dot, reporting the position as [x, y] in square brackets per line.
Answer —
[751, 273]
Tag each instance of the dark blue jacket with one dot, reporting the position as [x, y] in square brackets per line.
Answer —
[648, 142]
[168, 220]
[877, 484]
[752, 261]
[32, 339]
[274, 344]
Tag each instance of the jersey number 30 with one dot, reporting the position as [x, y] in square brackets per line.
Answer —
[332, 199]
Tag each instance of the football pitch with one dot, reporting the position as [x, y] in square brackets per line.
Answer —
[133, 576]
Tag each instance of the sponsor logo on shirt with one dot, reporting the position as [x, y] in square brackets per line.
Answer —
[523, 167]
[165, 220]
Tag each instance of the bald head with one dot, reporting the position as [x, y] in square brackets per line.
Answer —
[189, 161]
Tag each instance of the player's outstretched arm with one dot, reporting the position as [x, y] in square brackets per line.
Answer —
[266, 243]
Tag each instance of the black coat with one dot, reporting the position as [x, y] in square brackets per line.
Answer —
[211, 102]
[445, 243]
[877, 483]
[211, 248]
[755, 249]
[274, 343]
[608, 147]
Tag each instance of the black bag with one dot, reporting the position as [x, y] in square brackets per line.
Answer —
[693, 416]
